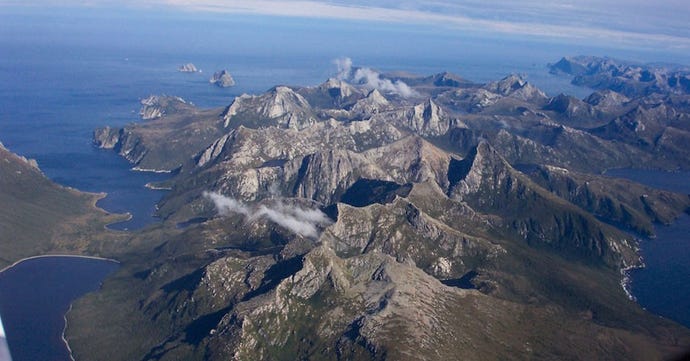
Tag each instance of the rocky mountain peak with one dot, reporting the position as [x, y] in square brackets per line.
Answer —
[428, 119]
[562, 103]
[412, 159]
[606, 99]
[339, 88]
[281, 106]
[376, 97]
[285, 100]
[373, 103]
[516, 86]
[449, 79]
[482, 165]
[572, 107]
[333, 94]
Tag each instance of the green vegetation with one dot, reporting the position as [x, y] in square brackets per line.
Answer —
[40, 217]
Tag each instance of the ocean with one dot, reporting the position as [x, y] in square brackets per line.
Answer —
[66, 71]
[662, 286]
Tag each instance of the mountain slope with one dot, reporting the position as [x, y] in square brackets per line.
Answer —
[40, 217]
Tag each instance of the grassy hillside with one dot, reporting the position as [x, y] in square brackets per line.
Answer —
[39, 217]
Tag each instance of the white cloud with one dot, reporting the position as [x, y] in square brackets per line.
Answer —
[302, 221]
[614, 23]
[371, 79]
[226, 205]
[609, 22]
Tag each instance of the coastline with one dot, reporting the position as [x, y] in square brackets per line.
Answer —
[58, 255]
[64, 315]
[137, 169]
[626, 280]
[129, 218]
[62, 335]
[156, 188]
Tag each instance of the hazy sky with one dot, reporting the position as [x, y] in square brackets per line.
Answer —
[662, 23]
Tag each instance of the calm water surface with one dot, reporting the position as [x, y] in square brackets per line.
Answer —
[662, 286]
[34, 297]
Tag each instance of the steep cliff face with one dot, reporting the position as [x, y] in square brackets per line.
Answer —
[319, 162]
[148, 146]
[617, 201]
[325, 175]
[156, 106]
[488, 184]
[107, 137]
[126, 143]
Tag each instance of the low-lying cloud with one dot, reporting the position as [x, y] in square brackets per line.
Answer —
[302, 221]
[371, 79]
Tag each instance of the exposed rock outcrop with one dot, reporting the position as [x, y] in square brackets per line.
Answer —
[222, 79]
[517, 87]
[188, 68]
[281, 106]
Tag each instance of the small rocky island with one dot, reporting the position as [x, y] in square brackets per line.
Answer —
[188, 68]
[222, 79]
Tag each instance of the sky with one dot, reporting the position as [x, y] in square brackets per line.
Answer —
[654, 24]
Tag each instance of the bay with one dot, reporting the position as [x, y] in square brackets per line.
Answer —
[36, 293]
[662, 285]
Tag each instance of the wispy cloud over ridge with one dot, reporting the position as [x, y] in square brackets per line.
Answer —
[371, 79]
[302, 221]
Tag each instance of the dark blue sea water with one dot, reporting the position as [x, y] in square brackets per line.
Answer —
[35, 296]
[662, 286]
